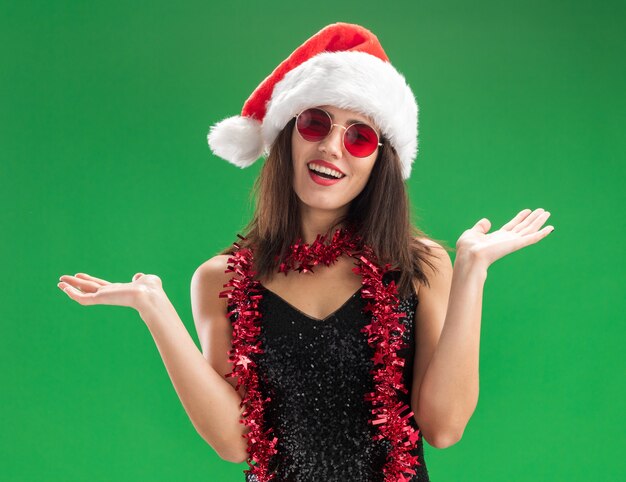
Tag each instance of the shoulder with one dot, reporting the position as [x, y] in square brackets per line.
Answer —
[214, 266]
[429, 242]
[440, 257]
[438, 269]
[208, 281]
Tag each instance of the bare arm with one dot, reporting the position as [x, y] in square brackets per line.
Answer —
[449, 389]
[210, 400]
[429, 320]
[212, 403]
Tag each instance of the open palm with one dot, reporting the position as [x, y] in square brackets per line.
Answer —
[89, 290]
[521, 231]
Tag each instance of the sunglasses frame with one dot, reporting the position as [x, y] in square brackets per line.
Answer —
[343, 137]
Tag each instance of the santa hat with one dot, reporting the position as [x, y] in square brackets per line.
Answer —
[342, 65]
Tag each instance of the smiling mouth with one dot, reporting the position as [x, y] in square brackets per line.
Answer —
[325, 172]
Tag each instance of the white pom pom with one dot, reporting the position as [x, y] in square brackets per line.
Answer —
[237, 139]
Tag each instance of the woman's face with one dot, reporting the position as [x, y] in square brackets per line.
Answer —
[330, 152]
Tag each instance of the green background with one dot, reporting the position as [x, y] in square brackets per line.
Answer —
[105, 169]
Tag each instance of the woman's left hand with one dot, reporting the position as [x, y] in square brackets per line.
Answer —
[519, 232]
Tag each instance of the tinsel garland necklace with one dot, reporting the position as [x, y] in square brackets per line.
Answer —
[384, 335]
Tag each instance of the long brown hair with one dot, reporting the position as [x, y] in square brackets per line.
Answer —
[380, 214]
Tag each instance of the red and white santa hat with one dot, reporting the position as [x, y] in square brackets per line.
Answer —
[342, 65]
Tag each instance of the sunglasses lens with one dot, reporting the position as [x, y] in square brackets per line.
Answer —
[313, 124]
[361, 140]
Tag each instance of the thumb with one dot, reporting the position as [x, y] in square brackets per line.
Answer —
[137, 276]
[484, 225]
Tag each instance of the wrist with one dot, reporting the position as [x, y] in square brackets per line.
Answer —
[470, 264]
[149, 300]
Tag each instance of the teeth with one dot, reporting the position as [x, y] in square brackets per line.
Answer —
[325, 170]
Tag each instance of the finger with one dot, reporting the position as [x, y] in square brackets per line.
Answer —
[529, 219]
[84, 285]
[137, 276]
[536, 224]
[77, 295]
[535, 237]
[92, 278]
[483, 225]
[517, 219]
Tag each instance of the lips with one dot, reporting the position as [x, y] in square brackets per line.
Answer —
[327, 164]
[322, 181]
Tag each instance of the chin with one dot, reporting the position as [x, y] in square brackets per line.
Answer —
[321, 204]
[319, 197]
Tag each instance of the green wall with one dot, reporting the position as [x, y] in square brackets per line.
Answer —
[105, 169]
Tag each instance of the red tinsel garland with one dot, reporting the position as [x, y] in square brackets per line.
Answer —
[384, 335]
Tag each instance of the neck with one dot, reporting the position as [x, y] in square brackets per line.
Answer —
[317, 221]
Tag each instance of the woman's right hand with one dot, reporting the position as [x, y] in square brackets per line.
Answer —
[89, 290]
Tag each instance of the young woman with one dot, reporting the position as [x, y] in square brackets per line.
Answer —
[335, 335]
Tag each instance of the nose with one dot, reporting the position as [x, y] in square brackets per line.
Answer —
[332, 144]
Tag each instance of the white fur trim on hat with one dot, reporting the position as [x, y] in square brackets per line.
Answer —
[348, 80]
[237, 139]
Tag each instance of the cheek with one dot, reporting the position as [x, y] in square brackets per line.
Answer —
[365, 169]
[297, 154]
[360, 179]
[297, 143]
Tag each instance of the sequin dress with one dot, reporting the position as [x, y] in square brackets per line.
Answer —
[317, 374]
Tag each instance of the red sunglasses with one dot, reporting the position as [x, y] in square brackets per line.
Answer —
[359, 139]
